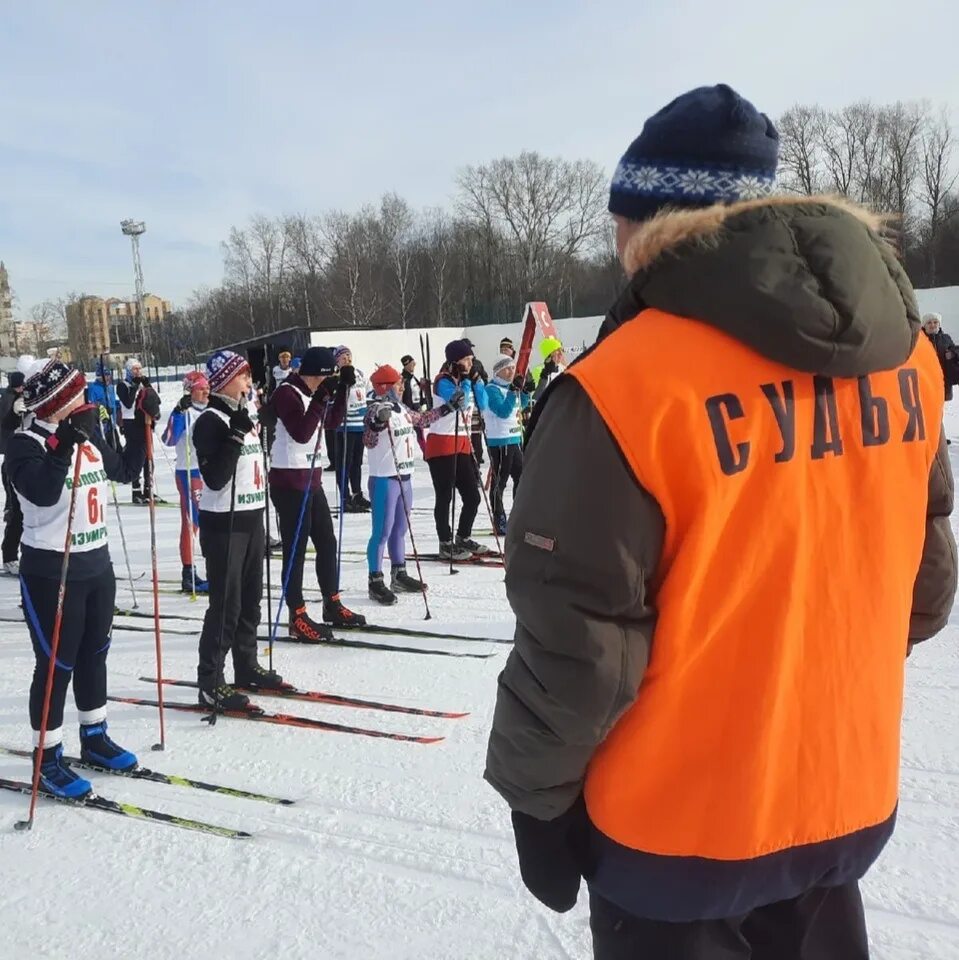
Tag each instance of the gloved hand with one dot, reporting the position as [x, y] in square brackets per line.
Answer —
[19, 407]
[457, 400]
[149, 403]
[240, 424]
[549, 368]
[384, 412]
[518, 383]
[348, 375]
[143, 380]
[325, 391]
[77, 428]
[103, 413]
[186, 401]
[552, 855]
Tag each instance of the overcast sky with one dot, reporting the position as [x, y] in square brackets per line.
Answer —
[194, 115]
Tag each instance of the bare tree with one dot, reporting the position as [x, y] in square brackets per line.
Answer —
[401, 242]
[800, 148]
[355, 297]
[904, 124]
[936, 182]
[548, 208]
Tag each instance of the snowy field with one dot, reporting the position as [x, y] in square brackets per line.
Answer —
[392, 850]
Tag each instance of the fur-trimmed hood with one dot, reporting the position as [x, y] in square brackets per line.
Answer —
[806, 281]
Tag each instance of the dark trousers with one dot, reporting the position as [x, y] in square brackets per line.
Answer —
[349, 445]
[317, 527]
[477, 440]
[827, 923]
[329, 438]
[128, 427]
[84, 641]
[234, 569]
[455, 471]
[12, 519]
[507, 463]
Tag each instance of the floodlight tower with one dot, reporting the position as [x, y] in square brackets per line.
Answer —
[134, 229]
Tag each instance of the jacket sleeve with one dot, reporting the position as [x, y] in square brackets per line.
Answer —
[217, 453]
[123, 466]
[578, 567]
[175, 426]
[37, 473]
[300, 424]
[501, 402]
[935, 587]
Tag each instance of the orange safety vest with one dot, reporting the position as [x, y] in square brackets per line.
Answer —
[795, 514]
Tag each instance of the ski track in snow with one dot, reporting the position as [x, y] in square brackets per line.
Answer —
[393, 851]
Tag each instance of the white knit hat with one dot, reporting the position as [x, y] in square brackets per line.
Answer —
[502, 362]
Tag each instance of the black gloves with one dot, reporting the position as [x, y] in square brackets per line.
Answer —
[348, 376]
[77, 428]
[457, 400]
[326, 390]
[186, 401]
[553, 855]
[240, 424]
[518, 383]
[549, 368]
[149, 403]
[384, 413]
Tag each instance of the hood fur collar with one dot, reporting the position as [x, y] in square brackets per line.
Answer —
[673, 228]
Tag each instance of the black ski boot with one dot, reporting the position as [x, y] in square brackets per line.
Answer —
[223, 697]
[339, 616]
[139, 499]
[305, 629]
[402, 582]
[252, 676]
[380, 592]
[453, 551]
[361, 504]
[475, 549]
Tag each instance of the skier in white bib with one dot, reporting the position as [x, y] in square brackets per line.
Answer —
[60, 429]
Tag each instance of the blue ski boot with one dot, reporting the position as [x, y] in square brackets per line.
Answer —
[187, 581]
[98, 749]
[57, 778]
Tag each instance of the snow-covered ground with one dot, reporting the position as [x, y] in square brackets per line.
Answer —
[392, 850]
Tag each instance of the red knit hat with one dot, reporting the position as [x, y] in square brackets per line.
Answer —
[384, 377]
[50, 386]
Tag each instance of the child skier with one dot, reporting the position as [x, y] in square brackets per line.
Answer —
[128, 393]
[42, 455]
[232, 535]
[305, 400]
[349, 439]
[189, 483]
[506, 397]
[389, 436]
[449, 452]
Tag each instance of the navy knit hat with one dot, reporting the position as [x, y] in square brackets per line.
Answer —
[708, 146]
[317, 362]
[458, 350]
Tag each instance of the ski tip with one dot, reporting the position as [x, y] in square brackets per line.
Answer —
[430, 739]
[22, 825]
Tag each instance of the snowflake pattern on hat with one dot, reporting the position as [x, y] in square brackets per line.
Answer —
[700, 183]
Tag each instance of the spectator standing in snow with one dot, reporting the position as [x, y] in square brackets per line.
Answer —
[349, 438]
[507, 398]
[415, 396]
[12, 410]
[945, 350]
[449, 453]
[189, 483]
[132, 419]
[699, 713]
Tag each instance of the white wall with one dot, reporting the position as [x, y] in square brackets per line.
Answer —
[376, 347]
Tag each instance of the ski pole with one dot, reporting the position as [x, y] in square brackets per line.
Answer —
[479, 479]
[190, 503]
[54, 641]
[211, 719]
[269, 577]
[148, 428]
[409, 520]
[115, 433]
[456, 443]
[339, 543]
[299, 527]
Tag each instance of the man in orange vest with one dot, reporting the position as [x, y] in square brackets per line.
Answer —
[701, 714]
